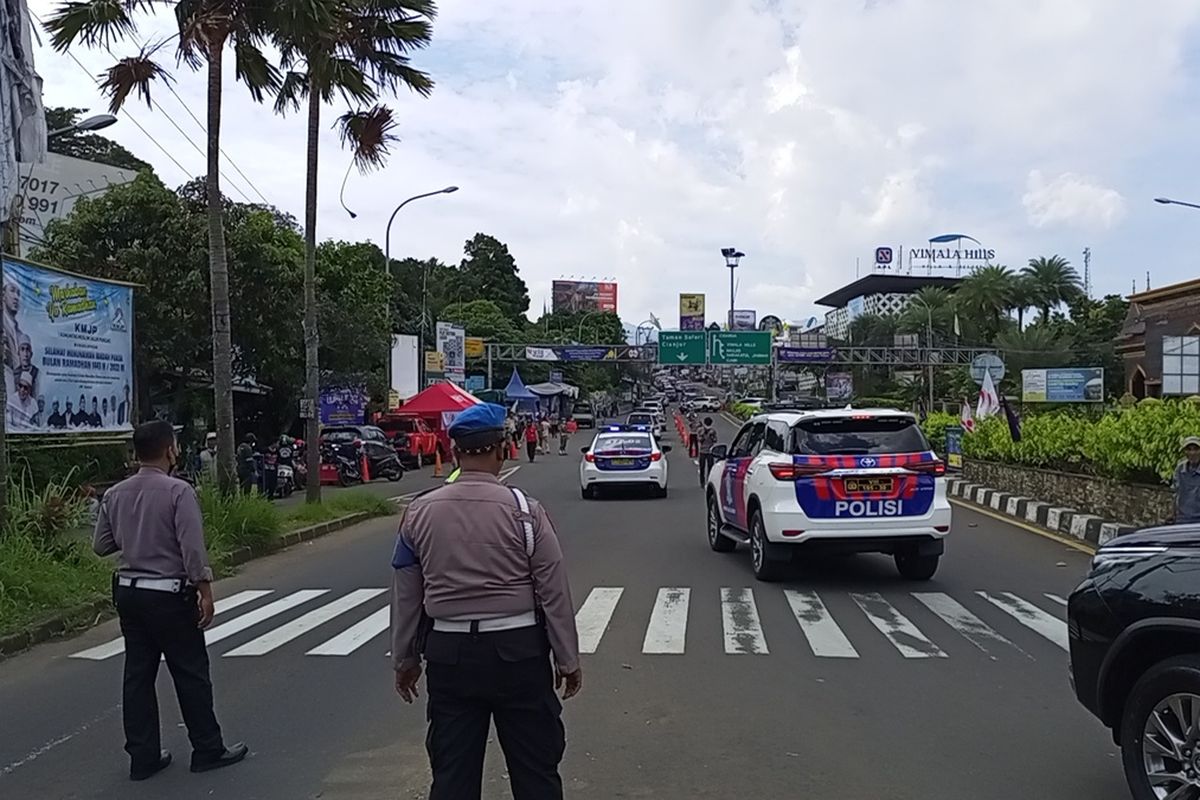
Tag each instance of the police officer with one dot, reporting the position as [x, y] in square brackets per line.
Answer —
[479, 589]
[163, 593]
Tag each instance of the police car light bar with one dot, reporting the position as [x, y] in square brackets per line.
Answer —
[626, 428]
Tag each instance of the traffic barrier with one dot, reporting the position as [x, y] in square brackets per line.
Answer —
[437, 463]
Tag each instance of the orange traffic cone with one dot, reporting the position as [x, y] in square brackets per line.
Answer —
[437, 463]
[366, 468]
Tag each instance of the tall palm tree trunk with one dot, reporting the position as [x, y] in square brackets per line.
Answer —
[218, 273]
[312, 339]
[3, 414]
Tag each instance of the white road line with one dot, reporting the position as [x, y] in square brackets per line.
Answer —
[667, 631]
[1030, 616]
[249, 619]
[954, 614]
[1061, 601]
[824, 636]
[900, 631]
[592, 618]
[304, 623]
[117, 646]
[739, 618]
[508, 473]
[355, 636]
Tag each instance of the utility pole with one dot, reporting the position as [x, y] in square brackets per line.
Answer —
[1087, 272]
[732, 257]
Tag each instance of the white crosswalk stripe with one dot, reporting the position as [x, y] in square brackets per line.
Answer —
[739, 618]
[667, 631]
[592, 618]
[1054, 598]
[824, 636]
[899, 630]
[999, 625]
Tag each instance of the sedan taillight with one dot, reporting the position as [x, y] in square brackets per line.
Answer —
[935, 468]
[656, 456]
[588, 457]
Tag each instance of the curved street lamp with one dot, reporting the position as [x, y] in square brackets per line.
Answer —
[92, 123]
[1166, 201]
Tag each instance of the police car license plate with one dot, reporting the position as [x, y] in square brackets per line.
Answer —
[871, 485]
[622, 462]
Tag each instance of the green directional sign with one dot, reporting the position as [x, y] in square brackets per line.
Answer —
[681, 347]
[740, 347]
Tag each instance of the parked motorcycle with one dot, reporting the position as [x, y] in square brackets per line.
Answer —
[299, 464]
[346, 460]
[285, 481]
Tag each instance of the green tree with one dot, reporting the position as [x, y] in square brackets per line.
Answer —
[205, 28]
[874, 330]
[88, 146]
[930, 306]
[1052, 281]
[985, 297]
[1023, 296]
[357, 51]
[481, 318]
[1036, 347]
[353, 289]
[490, 272]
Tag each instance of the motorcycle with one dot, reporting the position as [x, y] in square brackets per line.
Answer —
[285, 482]
[299, 464]
[346, 460]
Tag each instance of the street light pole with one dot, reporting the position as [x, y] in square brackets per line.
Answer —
[583, 319]
[93, 123]
[1166, 201]
[387, 265]
[732, 257]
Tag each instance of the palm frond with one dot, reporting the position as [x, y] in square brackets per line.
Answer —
[369, 135]
[391, 71]
[253, 69]
[204, 28]
[93, 22]
[132, 74]
[292, 92]
[344, 76]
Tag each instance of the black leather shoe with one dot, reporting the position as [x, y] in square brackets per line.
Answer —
[164, 761]
[232, 755]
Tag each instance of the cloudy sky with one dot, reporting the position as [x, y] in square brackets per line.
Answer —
[635, 138]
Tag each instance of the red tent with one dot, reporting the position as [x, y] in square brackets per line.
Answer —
[438, 398]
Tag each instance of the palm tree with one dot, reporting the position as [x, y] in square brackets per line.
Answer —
[986, 296]
[206, 27]
[357, 50]
[1051, 281]
[1023, 296]
[930, 307]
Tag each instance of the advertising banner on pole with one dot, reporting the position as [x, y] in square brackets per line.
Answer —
[452, 344]
[576, 296]
[744, 320]
[691, 312]
[67, 351]
[839, 386]
[343, 405]
[1069, 385]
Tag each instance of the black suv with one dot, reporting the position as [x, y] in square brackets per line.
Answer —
[1134, 627]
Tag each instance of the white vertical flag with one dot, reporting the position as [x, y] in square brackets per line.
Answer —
[989, 401]
[957, 329]
[968, 421]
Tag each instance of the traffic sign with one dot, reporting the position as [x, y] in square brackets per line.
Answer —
[740, 347]
[987, 362]
[681, 347]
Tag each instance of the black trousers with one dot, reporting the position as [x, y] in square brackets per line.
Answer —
[161, 624]
[504, 676]
[705, 467]
[531, 449]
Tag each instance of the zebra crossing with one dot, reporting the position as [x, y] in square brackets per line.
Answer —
[333, 625]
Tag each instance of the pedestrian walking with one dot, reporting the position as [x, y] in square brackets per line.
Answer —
[544, 435]
[163, 593]
[707, 441]
[246, 464]
[531, 440]
[480, 593]
[1186, 482]
[565, 433]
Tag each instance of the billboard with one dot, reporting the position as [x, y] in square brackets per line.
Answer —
[48, 191]
[839, 386]
[452, 344]
[343, 405]
[1069, 385]
[691, 312]
[743, 320]
[67, 351]
[574, 296]
[406, 371]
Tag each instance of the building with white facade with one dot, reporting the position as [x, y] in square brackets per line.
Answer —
[880, 294]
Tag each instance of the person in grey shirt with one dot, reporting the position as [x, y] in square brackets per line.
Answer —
[163, 593]
[1186, 482]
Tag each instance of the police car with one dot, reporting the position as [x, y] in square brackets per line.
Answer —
[829, 481]
[650, 420]
[623, 455]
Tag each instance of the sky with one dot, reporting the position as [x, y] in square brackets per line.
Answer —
[633, 140]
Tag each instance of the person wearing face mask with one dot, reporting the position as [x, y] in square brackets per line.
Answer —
[162, 590]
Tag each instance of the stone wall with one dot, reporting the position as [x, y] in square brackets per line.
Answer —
[1130, 503]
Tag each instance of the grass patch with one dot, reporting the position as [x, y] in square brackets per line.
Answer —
[338, 505]
[36, 581]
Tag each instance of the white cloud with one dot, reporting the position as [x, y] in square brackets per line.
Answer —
[1071, 199]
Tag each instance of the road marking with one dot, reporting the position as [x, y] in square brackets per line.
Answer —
[899, 630]
[739, 618]
[824, 636]
[954, 614]
[1030, 616]
[239, 624]
[355, 636]
[117, 646]
[667, 631]
[1074, 544]
[1055, 598]
[592, 618]
[304, 623]
[508, 473]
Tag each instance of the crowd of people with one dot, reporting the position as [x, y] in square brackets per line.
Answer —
[539, 433]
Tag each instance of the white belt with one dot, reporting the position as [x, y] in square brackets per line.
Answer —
[173, 585]
[525, 620]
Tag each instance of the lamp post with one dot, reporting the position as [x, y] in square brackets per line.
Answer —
[93, 123]
[732, 257]
[1166, 201]
[583, 319]
[387, 264]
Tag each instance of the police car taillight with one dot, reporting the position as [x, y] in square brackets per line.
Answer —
[935, 468]
[790, 472]
[588, 457]
[656, 456]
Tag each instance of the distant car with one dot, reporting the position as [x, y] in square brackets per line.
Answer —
[623, 455]
[584, 416]
[646, 419]
[1133, 628]
[371, 442]
[752, 402]
[707, 403]
[844, 481]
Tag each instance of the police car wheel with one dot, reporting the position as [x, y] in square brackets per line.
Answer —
[765, 569]
[716, 541]
[586, 492]
[915, 567]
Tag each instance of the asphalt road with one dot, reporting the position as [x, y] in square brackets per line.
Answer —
[979, 708]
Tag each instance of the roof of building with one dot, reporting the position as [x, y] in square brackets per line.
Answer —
[885, 284]
[1191, 287]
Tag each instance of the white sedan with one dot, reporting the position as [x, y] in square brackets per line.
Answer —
[623, 455]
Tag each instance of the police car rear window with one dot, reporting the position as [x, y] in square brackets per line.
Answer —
[640, 419]
[622, 443]
[867, 435]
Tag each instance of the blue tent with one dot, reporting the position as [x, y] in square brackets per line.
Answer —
[517, 393]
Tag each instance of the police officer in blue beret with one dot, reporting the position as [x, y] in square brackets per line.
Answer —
[480, 595]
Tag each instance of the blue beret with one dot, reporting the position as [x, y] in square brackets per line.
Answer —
[480, 418]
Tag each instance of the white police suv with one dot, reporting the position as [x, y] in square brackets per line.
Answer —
[623, 455]
[829, 481]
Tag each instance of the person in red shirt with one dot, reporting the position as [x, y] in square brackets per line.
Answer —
[565, 432]
[531, 439]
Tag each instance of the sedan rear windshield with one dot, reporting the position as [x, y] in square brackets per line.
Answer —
[641, 419]
[342, 435]
[622, 444]
[858, 436]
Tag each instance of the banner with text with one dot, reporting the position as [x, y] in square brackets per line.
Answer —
[452, 344]
[691, 312]
[576, 296]
[1068, 385]
[67, 351]
[839, 386]
[343, 405]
